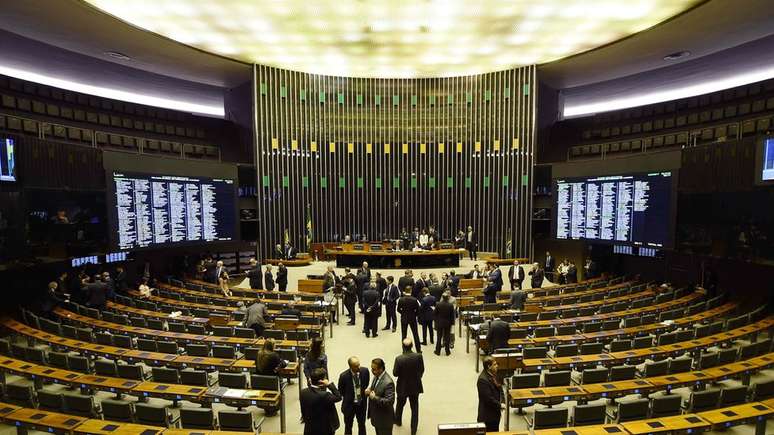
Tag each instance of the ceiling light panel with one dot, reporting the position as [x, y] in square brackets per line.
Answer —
[394, 38]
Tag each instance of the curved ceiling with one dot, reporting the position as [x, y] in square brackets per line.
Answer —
[395, 39]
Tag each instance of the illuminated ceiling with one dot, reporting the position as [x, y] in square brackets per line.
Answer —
[398, 39]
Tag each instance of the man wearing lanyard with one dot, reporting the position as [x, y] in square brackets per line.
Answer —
[352, 384]
[381, 397]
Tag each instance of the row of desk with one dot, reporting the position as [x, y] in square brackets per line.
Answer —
[150, 358]
[55, 422]
[145, 389]
[514, 362]
[718, 419]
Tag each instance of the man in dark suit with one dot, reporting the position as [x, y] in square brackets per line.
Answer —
[318, 405]
[443, 316]
[498, 335]
[254, 275]
[290, 251]
[330, 279]
[268, 279]
[572, 273]
[490, 396]
[381, 396]
[549, 265]
[516, 275]
[282, 277]
[408, 307]
[454, 283]
[97, 293]
[352, 384]
[471, 244]
[407, 280]
[390, 301]
[381, 283]
[120, 282]
[537, 276]
[416, 290]
[408, 368]
[209, 270]
[366, 270]
[372, 310]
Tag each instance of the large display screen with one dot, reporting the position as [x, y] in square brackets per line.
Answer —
[632, 209]
[767, 161]
[149, 210]
[7, 160]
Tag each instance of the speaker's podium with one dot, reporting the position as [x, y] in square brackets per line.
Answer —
[462, 429]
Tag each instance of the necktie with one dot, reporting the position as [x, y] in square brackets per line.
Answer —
[356, 383]
[375, 383]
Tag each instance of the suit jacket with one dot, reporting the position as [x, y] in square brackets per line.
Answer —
[497, 278]
[329, 280]
[381, 284]
[517, 299]
[516, 275]
[391, 295]
[470, 237]
[549, 264]
[416, 291]
[490, 396]
[268, 280]
[454, 284]
[408, 307]
[380, 408]
[255, 275]
[347, 389]
[367, 272]
[443, 315]
[120, 283]
[97, 292]
[282, 275]
[437, 291]
[409, 368]
[371, 299]
[405, 281]
[256, 315]
[426, 310]
[498, 335]
[318, 410]
[291, 252]
[537, 278]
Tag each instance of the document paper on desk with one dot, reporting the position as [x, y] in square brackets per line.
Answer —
[234, 394]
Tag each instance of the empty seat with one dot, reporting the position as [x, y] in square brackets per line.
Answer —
[763, 346]
[275, 334]
[20, 394]
[763, 390]
[103, 338]
[116, 410]
[594, 376]
[631, 322]
[666, 405]
[656, 369]
[165, 375]
[226, 352]
[748, 351]
[548, 418]
[167, 346]
[58, 360]
[237, 421]
[591, 348]
[702, 331]
[50, 401]
[156, 324]
[708, 360]
[667, 338]
[703, 400]
[620, 345]
[632, 410]
[243, 333]
[194, 377]
[566, 330]
[106, 367]
[556, 379]
[566, 350]
[727, 356]
[78, 363]
[36, 355]
[79, 404]
[222, 331]
[733, 396]
[197, 349]
[153, 415]
[588, 414]
[177, 327]
[622, 373]
[543, 332]
[147, 345]
[131, 371]
[680, 365]
[232, 380]
[592, 327]
[610, 325]
[642, 342]
[197, 418]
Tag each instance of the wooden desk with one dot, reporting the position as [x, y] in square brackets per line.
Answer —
[397, 259]
[666, 424]
[297, 262]
[530, 396]
[239, 397]
[617, 389]
[755, 412]
[7, 408]
[104, 383]
[203, 362]
[601, 429]
[170, 391]
[45, 421]
[104, 427]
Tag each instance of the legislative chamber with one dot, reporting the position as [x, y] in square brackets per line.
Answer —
[410, 218]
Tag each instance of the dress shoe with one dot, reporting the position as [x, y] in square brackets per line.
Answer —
[424, 343]
[448, 353]
[386, 329]
[393, 329]
[437, 353]
[376, 335]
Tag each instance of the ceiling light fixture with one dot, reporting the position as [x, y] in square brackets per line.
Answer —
[114, 94]
[117, 55]
[677, 55]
